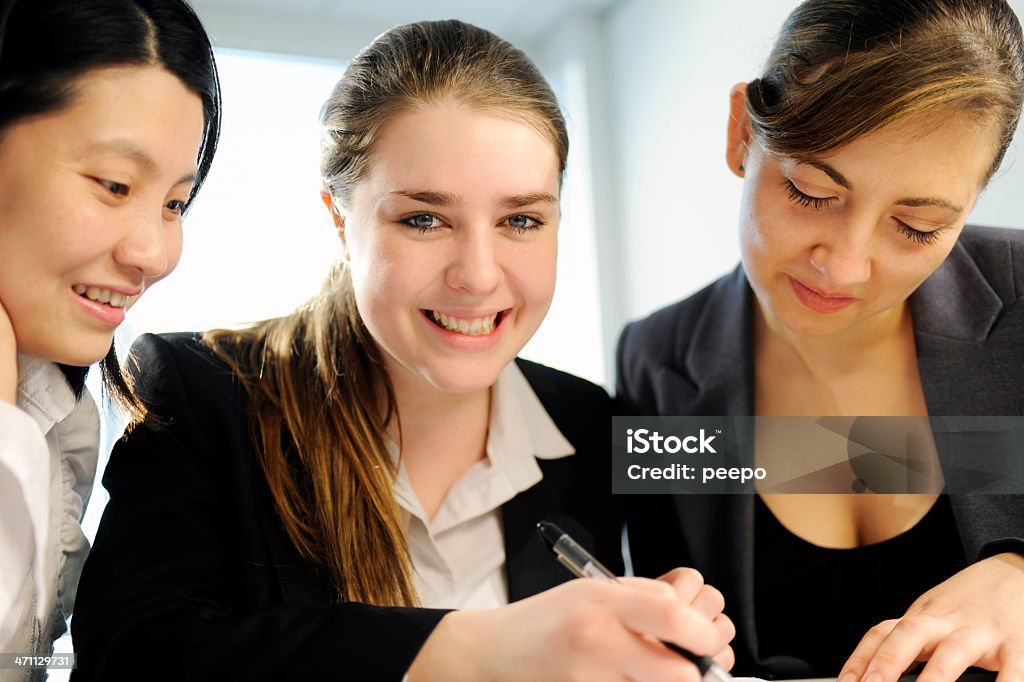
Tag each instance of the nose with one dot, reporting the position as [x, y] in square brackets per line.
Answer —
[844, 257]
[145, 246]
[474, 266]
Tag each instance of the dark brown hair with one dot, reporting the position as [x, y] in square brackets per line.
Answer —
[843, 68]
[320, 398]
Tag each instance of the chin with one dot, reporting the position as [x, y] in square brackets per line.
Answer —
[803, 322]
[84, 354]
[464, 378]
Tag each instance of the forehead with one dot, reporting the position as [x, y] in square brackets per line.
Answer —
[943, 150]
[468, 151]
[144, 107]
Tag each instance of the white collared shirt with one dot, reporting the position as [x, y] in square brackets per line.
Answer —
[459, 555]
[48, 453]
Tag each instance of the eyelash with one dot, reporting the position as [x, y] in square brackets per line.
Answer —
[917, 235]
[818, 203]
[518, 230]
[807, 200]
[121, 190]
[118, 189]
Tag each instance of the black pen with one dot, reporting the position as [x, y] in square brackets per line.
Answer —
[582, 564]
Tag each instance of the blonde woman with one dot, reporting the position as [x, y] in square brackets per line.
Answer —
[320, 489]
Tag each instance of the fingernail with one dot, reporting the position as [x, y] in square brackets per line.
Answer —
[873, 676]
[848, 677]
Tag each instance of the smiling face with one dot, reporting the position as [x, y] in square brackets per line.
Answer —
[90, 207]
[839, 242]
[451, 243]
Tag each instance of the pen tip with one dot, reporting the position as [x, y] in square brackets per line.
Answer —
[549, 532]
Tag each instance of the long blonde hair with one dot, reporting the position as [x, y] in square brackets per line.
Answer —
[319, 397]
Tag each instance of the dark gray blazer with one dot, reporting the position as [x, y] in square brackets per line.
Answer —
[696, 358]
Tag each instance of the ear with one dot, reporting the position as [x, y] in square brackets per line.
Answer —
[738, 137]
[337, 217]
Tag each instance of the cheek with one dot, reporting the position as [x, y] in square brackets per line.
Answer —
[910, 265]
[174, 244]
[772, 228]
[534, 271]
[383, 283]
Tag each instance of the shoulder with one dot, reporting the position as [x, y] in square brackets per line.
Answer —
[998, 254]
[580, 409]
[664, 333]
[560, 392]
[666, 337]
[175, 371]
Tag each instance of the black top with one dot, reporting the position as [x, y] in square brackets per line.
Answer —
[843, 592]
[192, 575]
[696, 358]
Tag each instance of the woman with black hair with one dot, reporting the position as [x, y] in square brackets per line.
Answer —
[109, 118]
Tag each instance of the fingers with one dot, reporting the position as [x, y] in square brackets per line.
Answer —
[687, 582]
[890, 648]
[1011, 662]
[653, 608]
[621, 635]
[953, 655]
[727, 631]
[865, 650]
[691, 589]
[644, 659]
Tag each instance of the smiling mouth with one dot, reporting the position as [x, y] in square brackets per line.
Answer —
[469, 326]
[113, 299]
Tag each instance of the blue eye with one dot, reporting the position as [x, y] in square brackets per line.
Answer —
[423, 222]
[523, 223]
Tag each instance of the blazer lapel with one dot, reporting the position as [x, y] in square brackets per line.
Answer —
[530, 567]
[720, 362]
[953, 311]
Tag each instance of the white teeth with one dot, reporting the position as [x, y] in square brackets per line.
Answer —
[112, 298]
[476, 326]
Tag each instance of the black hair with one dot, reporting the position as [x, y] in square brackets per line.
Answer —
[47, 45]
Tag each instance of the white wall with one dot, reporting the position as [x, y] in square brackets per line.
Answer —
[645, 86]
[672, 63]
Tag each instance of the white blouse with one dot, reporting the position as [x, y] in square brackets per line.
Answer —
[459, 555]
[48, 453]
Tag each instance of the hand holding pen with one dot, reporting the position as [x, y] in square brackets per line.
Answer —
[594, 630]
[583, 565]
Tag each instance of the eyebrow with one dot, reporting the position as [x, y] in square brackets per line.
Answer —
[444, 199]
[828, 170]
[136, 154]
[930, 201]
[840, 180]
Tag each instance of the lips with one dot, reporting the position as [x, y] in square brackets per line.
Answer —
[820, 301]
[474, 325]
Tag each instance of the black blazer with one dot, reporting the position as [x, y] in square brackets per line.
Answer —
[192, 575]
[696, 358]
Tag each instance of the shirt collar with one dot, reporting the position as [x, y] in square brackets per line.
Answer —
[519, 432]
[43, 391]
